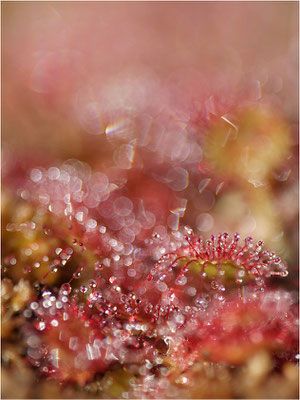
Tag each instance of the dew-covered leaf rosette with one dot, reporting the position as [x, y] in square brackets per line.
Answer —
[214, 268]
[204, 301]
[103, 297]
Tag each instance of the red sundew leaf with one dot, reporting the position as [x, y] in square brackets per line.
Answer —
[233, 332]
[78, 335]
[214, 269]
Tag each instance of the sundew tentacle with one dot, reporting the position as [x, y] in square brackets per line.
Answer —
[221, 260]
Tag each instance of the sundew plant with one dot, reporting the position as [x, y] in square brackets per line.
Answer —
[149, 200]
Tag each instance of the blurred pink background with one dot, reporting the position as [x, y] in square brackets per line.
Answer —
[66, 62]
[95, 80]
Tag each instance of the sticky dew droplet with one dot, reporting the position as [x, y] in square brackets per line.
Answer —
[65, 289]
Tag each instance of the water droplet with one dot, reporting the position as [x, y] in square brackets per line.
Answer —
[214, 285]
[92, 283]
[40, 326]
[201, 302]
[98, 267]
[83, 289]
[36, 175]
[181, 280]
[65, 289]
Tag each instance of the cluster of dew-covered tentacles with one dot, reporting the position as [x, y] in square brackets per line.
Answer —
[137, 309]
[102, 296]
[204, 301]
